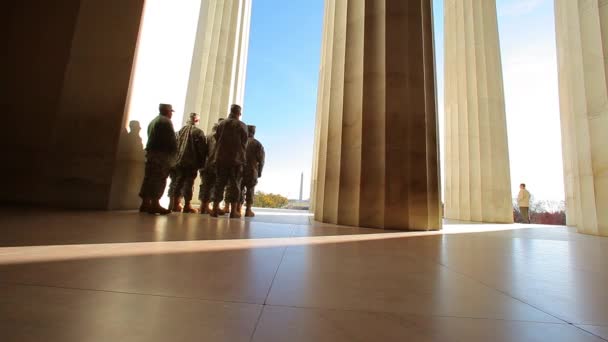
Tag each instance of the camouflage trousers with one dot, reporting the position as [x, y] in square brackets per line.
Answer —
[172, 176]
[208, 178]
[182, 182]
[250, 180]
[229, 178]
[158, 166]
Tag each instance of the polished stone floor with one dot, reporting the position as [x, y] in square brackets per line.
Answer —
[124, 276]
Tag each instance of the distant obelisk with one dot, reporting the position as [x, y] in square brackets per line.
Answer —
[301, 187]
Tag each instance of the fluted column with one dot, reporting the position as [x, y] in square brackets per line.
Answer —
[582, 45]
[478, 181]
[217, 76]
[376, 148]
[324, 74]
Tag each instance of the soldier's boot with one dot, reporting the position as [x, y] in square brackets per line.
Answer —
[220, 211]
[188, 208]
[177, 204]
[215, 211]
[249, 212]
[235, 213]
[226, 209]
[156, 208]
[205, 208]
[145, 205]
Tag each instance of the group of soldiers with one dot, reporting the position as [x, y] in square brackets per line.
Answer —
[230, 161]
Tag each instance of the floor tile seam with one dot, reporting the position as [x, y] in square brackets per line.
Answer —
[216, 301]
[291, 237]
[603, 325]
[588, 332]
[512, 296]
[293, 228]
[276, 273]
[314, 308]
[571, 268]
[275, 222]
[257, 323]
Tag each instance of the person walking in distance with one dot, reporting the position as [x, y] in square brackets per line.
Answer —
[254, 163]
[161, 149]
[523, 202]
[231, 141]
[191, 156]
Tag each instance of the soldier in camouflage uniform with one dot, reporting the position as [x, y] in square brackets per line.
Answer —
[254, 156]
[191, 156]
[160, 158]
[231, 141]
[208, 173]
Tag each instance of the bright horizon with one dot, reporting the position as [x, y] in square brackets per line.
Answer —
[283, 68]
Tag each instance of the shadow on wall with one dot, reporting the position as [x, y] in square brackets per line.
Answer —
[129, 171]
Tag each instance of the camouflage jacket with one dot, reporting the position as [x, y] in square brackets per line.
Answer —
[191, 147]
[211, 154]
[230, 143]
[255, 156]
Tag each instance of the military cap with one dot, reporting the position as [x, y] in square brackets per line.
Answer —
[165, 106]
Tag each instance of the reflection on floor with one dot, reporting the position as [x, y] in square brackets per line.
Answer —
[125, 276]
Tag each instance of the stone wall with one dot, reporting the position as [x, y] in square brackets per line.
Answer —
[68, 69]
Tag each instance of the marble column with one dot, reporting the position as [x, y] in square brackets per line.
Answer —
[477, 175]
[217, 76]
[376, 148]
[323, 71]
[582, 47]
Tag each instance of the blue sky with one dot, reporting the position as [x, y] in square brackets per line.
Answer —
[283, 70]
[281, 88]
